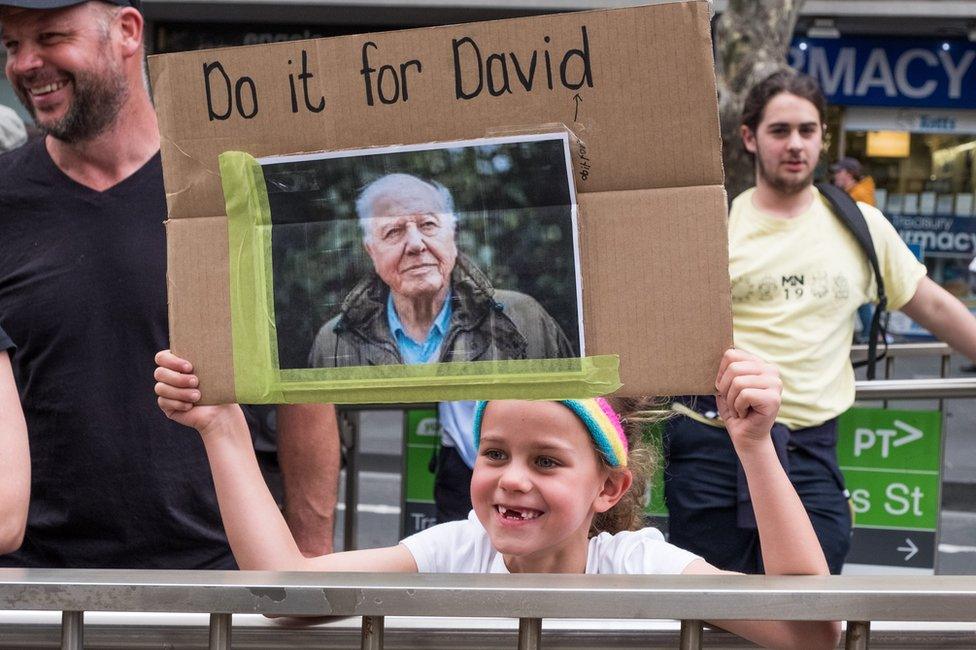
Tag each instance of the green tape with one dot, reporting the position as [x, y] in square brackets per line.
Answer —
[259, 380]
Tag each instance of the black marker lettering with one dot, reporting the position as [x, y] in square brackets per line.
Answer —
[459, 91]
[584, 55]
[494, 90]
[240, 99]
[389, 80]
[305, 75]
[526, 81]
[403, 74]
[366, 71]
[207, 69]
[294, 96]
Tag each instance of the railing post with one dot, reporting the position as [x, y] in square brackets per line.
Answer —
[220, 626]
[691, 635]
[349, 428]
[858, 635]
[372, 633]
[530, 634]
[72, 630]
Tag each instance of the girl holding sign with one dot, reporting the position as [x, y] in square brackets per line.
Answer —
[555, 489]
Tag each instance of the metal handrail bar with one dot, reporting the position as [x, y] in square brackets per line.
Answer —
[528, 598]
[933, 349]
[915, 389]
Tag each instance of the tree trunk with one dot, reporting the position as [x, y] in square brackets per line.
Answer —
[752, 39]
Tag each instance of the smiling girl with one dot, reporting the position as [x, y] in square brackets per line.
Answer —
[554, 491]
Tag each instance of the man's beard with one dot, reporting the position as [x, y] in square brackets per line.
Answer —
[782, 185]
[95, 105]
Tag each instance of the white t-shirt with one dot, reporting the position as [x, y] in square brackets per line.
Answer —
[464, 547]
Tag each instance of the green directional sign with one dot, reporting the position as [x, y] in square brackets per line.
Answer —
[421, 438]
[892, 467]
[655, 506]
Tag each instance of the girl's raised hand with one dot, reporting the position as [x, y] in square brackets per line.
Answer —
[749, 393]
[177, 394]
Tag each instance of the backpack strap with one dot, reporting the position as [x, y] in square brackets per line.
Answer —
[853, 219]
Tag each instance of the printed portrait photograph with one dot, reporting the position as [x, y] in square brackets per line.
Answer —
[436, 253]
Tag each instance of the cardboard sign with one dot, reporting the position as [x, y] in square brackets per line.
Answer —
[636, 87]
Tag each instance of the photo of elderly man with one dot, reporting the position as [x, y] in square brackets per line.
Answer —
[425, 301]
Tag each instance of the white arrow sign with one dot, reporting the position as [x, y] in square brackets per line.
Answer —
[913, 434]
[910, 549]
[865, 439]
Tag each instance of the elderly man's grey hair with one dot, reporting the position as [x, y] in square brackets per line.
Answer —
[397, 185]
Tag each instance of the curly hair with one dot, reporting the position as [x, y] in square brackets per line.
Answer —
[636, 414]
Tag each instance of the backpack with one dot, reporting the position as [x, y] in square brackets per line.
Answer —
[850, 215]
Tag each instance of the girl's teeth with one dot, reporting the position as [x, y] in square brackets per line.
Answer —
[508, 512]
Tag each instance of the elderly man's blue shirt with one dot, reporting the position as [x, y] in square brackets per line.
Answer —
[456, 417]
[424, 351]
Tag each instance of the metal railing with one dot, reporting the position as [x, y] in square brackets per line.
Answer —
[527, 598]
[887, 388]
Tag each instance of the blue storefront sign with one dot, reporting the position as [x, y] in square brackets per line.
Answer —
[890, 72]
[954, 236]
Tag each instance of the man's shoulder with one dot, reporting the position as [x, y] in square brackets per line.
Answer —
[327, 332]
[741, 203]
[521, 306]
[509, 298]
[17, 164]
[875, 219]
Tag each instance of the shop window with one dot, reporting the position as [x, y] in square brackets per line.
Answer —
[925, 184]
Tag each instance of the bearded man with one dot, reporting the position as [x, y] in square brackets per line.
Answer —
[798, 276]
[83, 298]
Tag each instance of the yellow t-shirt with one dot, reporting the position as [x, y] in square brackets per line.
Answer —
[796, 285]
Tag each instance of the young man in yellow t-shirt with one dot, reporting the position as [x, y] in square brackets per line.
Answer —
[798, 277]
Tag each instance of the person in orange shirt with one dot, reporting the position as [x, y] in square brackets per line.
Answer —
[849, 176]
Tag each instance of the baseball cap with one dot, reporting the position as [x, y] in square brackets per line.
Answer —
[57, 4]
[851, 165]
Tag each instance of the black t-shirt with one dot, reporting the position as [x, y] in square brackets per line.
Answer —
[83, 297]
[5, 342]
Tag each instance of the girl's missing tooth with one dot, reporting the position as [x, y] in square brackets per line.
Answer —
[556, 488]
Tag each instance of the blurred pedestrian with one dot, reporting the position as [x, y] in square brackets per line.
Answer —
[13, 133]
[849, 176]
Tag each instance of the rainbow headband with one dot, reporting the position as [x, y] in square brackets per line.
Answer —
[600, 420]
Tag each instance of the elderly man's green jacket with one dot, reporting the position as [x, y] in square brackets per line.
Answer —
[486, 324]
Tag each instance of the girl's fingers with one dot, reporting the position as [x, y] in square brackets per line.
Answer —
[167, 359]
[170, 406]
[737, 385]
[174, 378]
[731, 356]
[759, 400]
[188, 395]
[742, 368]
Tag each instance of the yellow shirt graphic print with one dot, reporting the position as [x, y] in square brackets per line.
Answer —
[796, 285]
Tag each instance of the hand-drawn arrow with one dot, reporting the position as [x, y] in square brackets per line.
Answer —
[577, 99]
[913, 434]
[911, 549]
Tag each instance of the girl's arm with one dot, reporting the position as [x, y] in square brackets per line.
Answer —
[256, 529]
[748, 402]
[14, 462]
